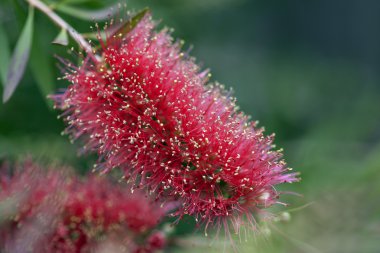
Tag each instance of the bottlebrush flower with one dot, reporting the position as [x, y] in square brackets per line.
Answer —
[146, 108]
[52, 213]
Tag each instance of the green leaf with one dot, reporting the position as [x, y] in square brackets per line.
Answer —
[19, 58]
[62, 38]
[92, 15]
[41, 66]
[126, 26]
[120, 29]
[74, 1]
[4, 55]
[90, 3]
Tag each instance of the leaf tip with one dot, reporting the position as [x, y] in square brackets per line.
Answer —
[61, 39]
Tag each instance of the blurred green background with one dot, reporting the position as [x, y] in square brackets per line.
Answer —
[307, 70]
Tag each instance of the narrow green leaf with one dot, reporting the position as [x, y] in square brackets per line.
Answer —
[126, 26]
[97, 15]
[74, 1]
[55, 3]
[62, 38]
[41, 65]
[20, 57]
[120, 29]
[4, 55]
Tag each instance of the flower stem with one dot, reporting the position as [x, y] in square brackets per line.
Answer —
[63, 24]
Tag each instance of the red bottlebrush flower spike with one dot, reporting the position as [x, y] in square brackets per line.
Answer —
[145, 107]
[48, 212]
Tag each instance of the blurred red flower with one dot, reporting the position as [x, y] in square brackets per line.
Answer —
[51, 212]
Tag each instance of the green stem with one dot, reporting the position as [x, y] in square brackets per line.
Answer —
[62, 23]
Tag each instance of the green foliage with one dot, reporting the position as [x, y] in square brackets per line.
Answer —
[5, 55]
[62, 38]
[42, 67]
[127, 25]
[89, 15]
[12, 70]
[20, 57]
